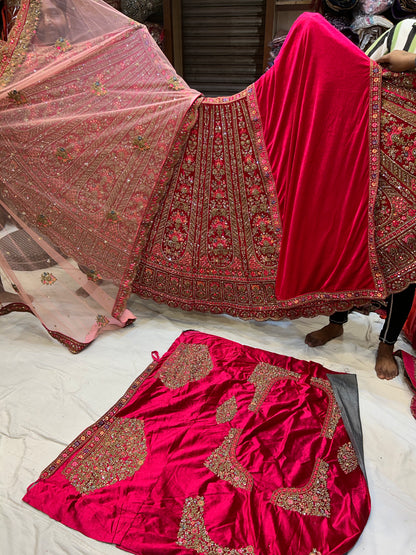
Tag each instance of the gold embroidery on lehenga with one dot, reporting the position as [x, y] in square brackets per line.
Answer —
[188, 363]
[116, 456]
[227, 410]
[312, 499]
[193, 534]
[224, 464]
[17, 96]
[263, 377]
[347, 458]
[333, 413]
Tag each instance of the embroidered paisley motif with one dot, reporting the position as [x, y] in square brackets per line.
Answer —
[226, 411]
[347, 458]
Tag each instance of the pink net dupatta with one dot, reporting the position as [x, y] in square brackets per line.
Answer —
[92, 120]
[319, 107]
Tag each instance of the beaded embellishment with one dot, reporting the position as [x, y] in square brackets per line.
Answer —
[347, 458]
[226, 411]
[116, 456]
[224, 464]
[193, 534]
[263, 377]
[333, 413]
[47, 278]
[102, 320]
[17, 96]
[189, 363]
[312, 499]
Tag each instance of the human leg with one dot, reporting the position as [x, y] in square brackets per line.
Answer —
[330, 331]
[398, 309]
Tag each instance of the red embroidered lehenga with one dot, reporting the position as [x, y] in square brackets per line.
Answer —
[293, 198]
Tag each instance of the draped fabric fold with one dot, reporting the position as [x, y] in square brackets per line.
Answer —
[284, 200]
[316, 103]
[91, 123]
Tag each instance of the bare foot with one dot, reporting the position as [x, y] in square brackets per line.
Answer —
[386, 366]
[325, 334]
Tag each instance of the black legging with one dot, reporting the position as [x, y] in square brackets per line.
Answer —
[398, 308]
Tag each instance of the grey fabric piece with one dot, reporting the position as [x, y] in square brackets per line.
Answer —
[345, 389]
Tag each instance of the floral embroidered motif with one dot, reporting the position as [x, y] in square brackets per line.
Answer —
[193, 533]
[98, 88]
[175, 83]
[43, 221]
[227, 410]
[140, 143]
[63, 45]
[62, 154]
[113, 216]
[112, 456]
[17, 96]
[47, 278]
[263, 377]
[101, 320]
[224, 464]
[312, 499]
[93, 275]
[333, 413]
[347, 458]
[189, 363]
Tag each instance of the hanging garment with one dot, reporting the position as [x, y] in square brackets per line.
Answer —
[256, 205]
[218, 448]
[92, 119]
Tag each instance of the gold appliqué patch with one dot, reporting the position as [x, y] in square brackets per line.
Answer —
[189, 363]
[115, 456]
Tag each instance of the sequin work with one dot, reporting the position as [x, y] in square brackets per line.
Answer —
[189, 363]
[312, 499]
[226, 411]
[223, 462]
[347, 458]
[333, 413]
[116, 456]
[193, 533]
[263, 377]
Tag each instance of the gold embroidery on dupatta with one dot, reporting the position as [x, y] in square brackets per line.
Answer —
[347, 458]
[224, 464]
[13, 53]
[312, 499]
[193, 534]
[188, 363]
[333, 413]
[117, 456]
[263, 377]
[226, 411]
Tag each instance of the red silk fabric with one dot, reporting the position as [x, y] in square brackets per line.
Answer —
[218, 448]
[315, 110]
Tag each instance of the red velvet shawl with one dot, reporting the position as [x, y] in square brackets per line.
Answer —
[319, 107]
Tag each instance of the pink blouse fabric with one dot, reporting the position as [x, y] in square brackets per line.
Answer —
[216, 448]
